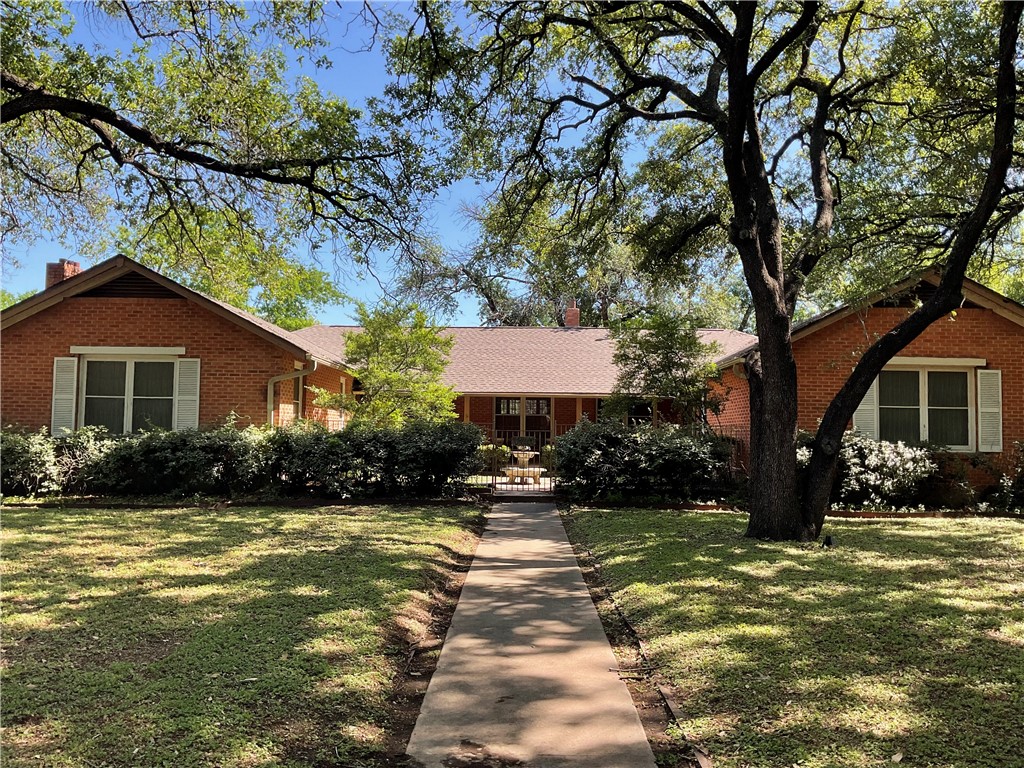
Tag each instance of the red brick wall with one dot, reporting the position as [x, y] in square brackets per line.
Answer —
[460, 407]
[481, 413]
[235, 367]
[564, 411]
[733, 419]
[590, 408]
[825, 359]
[330, 379]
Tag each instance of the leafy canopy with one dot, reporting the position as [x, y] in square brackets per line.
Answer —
[187, 144]
[662, 356]
[397, 359]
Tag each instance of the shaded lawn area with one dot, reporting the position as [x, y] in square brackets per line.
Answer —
[188, 637]
[907, 638]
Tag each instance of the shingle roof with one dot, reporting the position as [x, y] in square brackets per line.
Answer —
[117, 266]
[310, 346]
[510, 360]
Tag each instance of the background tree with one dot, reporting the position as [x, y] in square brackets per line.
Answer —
[527, 266]
[7, 298]
[197, 149]
[397, 360]
[780, 114]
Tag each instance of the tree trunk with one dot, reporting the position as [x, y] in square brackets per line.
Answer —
[773, 423]
[948, 296]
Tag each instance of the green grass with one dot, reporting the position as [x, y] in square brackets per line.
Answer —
[189, 637]
[907, 638]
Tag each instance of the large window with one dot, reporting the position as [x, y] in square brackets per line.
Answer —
[928, 405]
[128, 395]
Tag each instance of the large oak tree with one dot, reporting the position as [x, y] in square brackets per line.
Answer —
[181, 132]
[818, 135]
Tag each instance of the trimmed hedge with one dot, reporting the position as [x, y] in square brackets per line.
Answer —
[611, 461]
[417, 460]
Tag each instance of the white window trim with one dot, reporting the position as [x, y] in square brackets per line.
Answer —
[129, 382]
[922, 382]
[937, 362]
[124, 352]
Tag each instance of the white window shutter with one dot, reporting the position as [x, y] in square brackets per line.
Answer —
[186, 394]
[65, 387]
[865, 418]
[990, 411]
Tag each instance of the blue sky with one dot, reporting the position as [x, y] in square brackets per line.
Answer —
[355, 75]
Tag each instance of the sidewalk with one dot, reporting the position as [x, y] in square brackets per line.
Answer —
[525, 671]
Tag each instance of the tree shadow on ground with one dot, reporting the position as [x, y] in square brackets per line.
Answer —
[907, 638]
[191, 637]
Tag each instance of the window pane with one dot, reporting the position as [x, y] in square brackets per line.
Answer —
[151, 414]
[948, 426]
[154, 380]
[899, 388]
[104, 412]
[508, 405]
[537, 406]
[947, 389]
[104, 377]
[895, 424]
[641, 411]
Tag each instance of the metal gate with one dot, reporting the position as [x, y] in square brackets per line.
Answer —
[520, 464]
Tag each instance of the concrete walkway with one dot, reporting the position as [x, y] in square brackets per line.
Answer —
[525, 671]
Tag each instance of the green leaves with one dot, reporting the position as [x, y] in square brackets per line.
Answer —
[661, 356]
[397, 360]
[193, 146]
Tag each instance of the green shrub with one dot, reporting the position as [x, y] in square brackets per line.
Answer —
[79, 456]
[492, 458]
[28, 463]
[608, 460]
[1009, 494]
[416, 460]
[220, 461]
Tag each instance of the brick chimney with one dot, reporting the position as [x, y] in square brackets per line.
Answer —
[61, 271]
[572, 316]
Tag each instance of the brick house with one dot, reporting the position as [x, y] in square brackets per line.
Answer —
[538, 382]
[122, 346]
[959, 384]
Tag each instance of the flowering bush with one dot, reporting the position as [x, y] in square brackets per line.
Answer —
[875, 473]
[29, 464]
[1009, 494]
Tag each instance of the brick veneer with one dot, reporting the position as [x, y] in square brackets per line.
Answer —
[327, 378]
[565, 415]
[236, 364]
[826, 357]
[481, 413]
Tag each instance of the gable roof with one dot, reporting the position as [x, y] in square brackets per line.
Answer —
[499, 360]
[541, 361]
[973, 292]
[106, 272]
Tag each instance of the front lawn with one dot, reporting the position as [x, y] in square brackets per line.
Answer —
[193, 637]
[904, 643]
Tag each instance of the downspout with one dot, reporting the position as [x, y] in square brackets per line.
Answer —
[276, 380]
